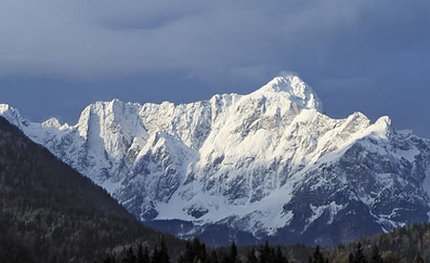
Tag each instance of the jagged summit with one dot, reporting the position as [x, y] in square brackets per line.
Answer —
[11, 114]
[52, 123]
[295, 89]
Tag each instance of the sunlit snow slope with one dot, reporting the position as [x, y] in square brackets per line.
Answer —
[267, 165]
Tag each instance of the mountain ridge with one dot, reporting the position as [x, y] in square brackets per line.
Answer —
[246, 162]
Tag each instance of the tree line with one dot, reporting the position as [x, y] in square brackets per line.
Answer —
[197, 252]
[408, 244]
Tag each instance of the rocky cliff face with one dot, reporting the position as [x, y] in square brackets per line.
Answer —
[267, 165]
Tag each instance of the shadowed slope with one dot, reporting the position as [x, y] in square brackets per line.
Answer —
[51, 213]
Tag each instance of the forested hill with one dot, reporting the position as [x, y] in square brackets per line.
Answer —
[51, 213]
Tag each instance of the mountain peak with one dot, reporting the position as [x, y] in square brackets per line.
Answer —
[52, 123]
[295, 89]
[383, 127]
[11, 114]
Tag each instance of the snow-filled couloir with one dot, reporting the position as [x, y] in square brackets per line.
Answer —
[267, 165]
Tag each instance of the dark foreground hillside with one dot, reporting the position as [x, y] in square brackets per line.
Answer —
[50, 213]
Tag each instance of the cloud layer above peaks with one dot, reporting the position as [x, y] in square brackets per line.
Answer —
[240, 39]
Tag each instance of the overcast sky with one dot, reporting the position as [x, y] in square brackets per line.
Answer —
[57, 56]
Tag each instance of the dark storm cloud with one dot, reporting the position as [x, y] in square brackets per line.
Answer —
[363, 55]
[82, 39]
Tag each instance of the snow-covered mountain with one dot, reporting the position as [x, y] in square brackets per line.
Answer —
[267, 165]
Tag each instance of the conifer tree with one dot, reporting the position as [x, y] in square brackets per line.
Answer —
[142, 254]
[155, 258]
[359, 256]
[391, 257]
[194, 252]
[418, 259]
[267, 254]
[375, 256]
[129, 257]
[161, 255]
[164, 252]
[251, 257]
[317, 256]
[213, 257]
[279, 258]
[109, 259]
[233, 256]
